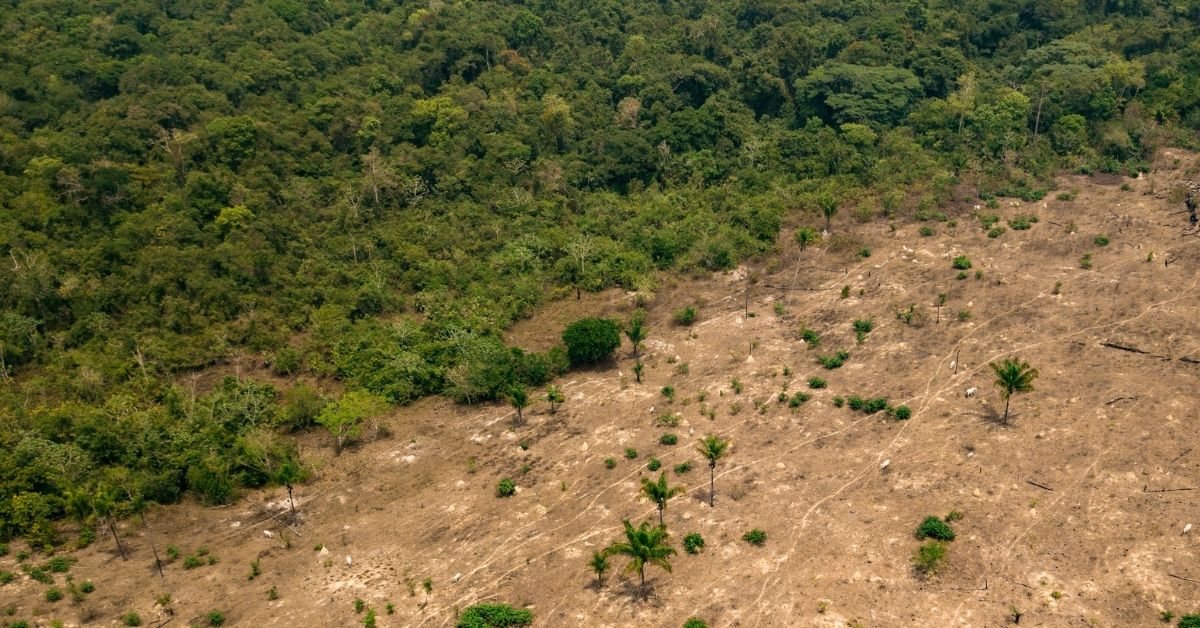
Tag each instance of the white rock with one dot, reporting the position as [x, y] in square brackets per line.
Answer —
[269, 534]
[885, 464]
[1187, 528]
[349, 561]
[971, 391]
[456, 577]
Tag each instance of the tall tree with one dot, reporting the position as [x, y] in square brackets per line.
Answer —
[518, 398]
[555, 396]
[636, 330]
[829, 207]
[660, 492]
[1013, 376]
[713, 448]
[645, 544]
[599, 564]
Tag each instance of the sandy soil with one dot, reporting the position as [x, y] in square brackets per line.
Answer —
[1107, 434]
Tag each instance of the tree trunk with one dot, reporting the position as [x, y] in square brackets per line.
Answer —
[660, 516]
[1006, 401]
[113, 528]
[291, 504]
[153, 548]
[712, 479]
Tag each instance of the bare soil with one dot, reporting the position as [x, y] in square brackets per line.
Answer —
[1074, 512]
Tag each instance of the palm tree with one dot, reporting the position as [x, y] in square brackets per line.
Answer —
[643, 544]
[556, 397]
[807, 236]
[829, 207]
[599, 565]
[519, 400]
[288, 473]
[659, 492]
[1013, 376]
[636, 330]
[712, 448]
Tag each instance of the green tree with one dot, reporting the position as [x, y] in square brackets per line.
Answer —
[599, 564]
[1013, 376]
[806, 237]
[591, 340]
[344, 417]
[636, 330]
[639, 367]
[713, 448]
[643, 545]
[660, 492]
[555, 396]
[518, 398]
[829, 206]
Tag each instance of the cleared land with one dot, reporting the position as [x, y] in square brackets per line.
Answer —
[1073, 513]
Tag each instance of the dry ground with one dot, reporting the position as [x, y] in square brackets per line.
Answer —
[1107, 432]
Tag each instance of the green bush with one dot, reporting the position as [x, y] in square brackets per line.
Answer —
[834, 361]
[693, 543]
[838, 402]
[1101, 240]
[591, 340]
[668, 439]
[755, 537]
[864, 325]
[493, 616]
[53, 594]
[962, 262]
[631, 453]
[695, 622]
[902, 413]
[610, 462]
[810, 336]
[930, 557]
[683, 467]
[653, 464]
[797, 399]
[685, 316]
[131, 619]
[215, 618]
[934, 528]
[86, 586]
[995, 232]
[1191, 620]
[7, 577]
[816, 382]
[506, 488]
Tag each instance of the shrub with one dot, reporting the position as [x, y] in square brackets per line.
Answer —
[755, 537]
[610, 462]
[810, 336]
[667, 419]
[1086, 261]
[668, 392]
[934, 528]
[927, 231]
[359, 605]
[929, 557]
[864, 252]
[1020, 223]
[964, 316]
[506, 488]
[695, 622]
[7, 577]
[1101, 240]
[834, 361]
[668, 439]
[369, 619]
[631, 453]
[215, 618]
[736, 385]
[192, 562]
[954, 515]
[131, 619]
[653, 464]
[59, 564]
[1191, 620]
[172, 552]
[838, 402]
[3, 549]
[39, 574]
[864, 325]
[86, 586]
[53, 594]
[902, 413]
[693, 543]
[995, 232]
[816, 382]
[962, 262]
[494, 616]
[683, 467]
[685, 316]
[798, 399]
[591, 340]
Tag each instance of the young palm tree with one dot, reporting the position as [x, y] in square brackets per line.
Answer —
[659, 493]
[712, 448]
[1013, 376]
[636, 330]
[643, 544]
[556, 397]
[829, 207]
[288, 473]
[807, 236]
[518, 398]
[599, 565]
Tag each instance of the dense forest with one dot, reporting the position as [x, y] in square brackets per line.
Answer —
[371, 191]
